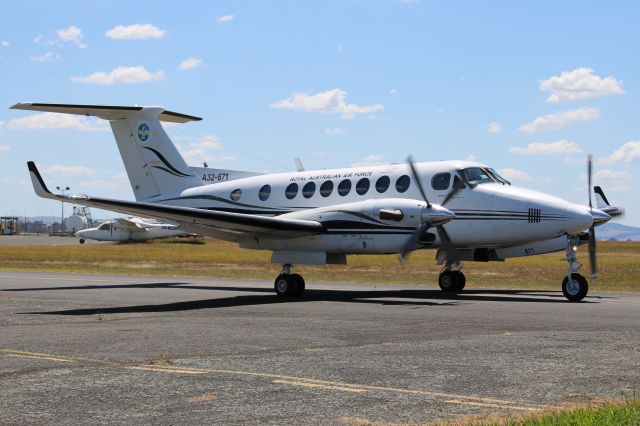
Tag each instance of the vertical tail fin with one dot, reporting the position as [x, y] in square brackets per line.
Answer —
[152, 161]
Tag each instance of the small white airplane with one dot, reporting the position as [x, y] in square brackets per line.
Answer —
[134, 229]
[464, 209]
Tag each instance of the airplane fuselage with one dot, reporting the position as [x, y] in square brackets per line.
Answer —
[488, 214]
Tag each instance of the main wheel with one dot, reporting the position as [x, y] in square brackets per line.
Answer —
[451, 281]
[81, 240]
[575, 290]
[461, 280]
[285, 285]
[299, 284]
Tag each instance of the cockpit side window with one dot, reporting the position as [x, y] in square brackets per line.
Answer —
[104, 227]
[476, 176]
[441, 181]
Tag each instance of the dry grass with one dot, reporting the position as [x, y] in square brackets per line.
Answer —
[619, 265]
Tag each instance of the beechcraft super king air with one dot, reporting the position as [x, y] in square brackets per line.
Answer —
[464, 209]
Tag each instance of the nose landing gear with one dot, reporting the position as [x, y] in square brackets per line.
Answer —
[288, 284]
[574, 286]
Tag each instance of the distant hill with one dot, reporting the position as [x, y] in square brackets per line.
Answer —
[619, 232]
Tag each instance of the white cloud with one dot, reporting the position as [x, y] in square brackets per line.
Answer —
[4, 148]
[494, 127]
[579, 84]
[627, 153]
[339, 48]
[225, 18]
[470, 157]
[114, 183]
[616, 175]
[392, 92]
[71, 34]
[333, 131]
[198, 152]
[50, 120]
[5, 43]
[515, 175]
[562, 146]
[120, 75]
[135, 32]
[370, 160]
[47, 57]
[560, 119]
[331, 101]
[67, 171]
[190, 63]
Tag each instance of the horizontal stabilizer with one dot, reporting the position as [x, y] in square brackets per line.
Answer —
[106, 112]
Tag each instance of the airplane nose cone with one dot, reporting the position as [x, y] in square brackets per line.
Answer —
[599, 217]
[579, 219]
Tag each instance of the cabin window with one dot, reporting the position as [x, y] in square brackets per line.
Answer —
[308, 189]
[382, 184]
[236, 194]
[104, 227]
[326, 188]
[264, 193]
[344, 187]
[291, 191]
[402, 184]
[441, 181]
[363, 186]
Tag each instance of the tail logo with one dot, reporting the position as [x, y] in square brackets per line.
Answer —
[143, 132]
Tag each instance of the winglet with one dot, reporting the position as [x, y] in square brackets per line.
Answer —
[603, 204]
[38, 183]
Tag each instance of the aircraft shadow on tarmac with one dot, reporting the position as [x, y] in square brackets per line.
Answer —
[418, 297]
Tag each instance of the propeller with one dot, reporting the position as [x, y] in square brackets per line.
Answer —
[441, 216]
[592, 231]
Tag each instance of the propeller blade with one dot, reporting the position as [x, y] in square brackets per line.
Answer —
[447, 245]
[592, 252]
[416, 178]
[453, 192]
[412, 241]
[589, 173]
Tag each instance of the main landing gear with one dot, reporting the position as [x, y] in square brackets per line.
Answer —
[574, 286]
[452, 279]
[288, 284]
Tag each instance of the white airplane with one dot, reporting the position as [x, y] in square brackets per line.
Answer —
[464, 209]
[134, 229]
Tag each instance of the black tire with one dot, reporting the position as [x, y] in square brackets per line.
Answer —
[285, 285]
[81, 240]
[300, 285]
[578, 290]
[461, 281]
[447, 281]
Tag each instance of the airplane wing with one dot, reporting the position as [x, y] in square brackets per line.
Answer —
[129, 225]
[236, 226]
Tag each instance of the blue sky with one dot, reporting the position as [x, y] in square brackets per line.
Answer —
[529, 87]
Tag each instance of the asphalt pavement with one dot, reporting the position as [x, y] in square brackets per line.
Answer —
[107, 349]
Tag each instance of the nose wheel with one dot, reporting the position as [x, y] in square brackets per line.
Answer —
[288, 284]
[574, 286]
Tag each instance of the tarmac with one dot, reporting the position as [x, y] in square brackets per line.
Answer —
[107, 349]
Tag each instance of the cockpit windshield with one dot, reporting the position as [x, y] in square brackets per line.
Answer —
[476, 176]
[479, 175]
[497, 177]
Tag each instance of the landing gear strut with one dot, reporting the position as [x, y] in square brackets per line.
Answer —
[574, 286]
[288, 284]
[452, 279]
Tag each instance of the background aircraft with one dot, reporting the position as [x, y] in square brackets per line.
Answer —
[318, 217]
[133, 229]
